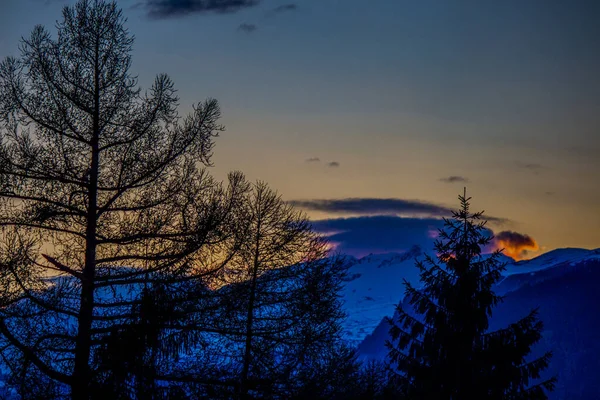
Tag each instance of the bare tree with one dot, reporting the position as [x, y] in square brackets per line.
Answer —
[102, 192]
[256, 329]
[280, 305]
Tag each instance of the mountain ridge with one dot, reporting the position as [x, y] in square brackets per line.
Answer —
[374, 285]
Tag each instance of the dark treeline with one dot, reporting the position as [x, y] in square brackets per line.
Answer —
[128, 272]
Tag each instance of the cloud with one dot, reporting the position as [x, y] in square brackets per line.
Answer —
[286, 7]
[247, 28]
[333, 164]
[390, 206]
[373, 206]
[313, 159]
[363, 235]
[454, 179]
[533, 167]
[178, 8]
[496, 220]
[516, 245]
[360, 236]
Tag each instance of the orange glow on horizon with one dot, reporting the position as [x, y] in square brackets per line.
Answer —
[518, 251]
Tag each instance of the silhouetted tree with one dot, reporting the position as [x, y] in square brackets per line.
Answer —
[376, 382]
[128, 271]
[256, 329]
[278, 305]
[335, 375]
[443, 349]
[338, 375]
[128, 357]
[101, 193]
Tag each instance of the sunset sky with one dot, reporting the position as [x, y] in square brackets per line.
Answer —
[381, 111]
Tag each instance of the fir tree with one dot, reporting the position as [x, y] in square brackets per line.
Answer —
[443, 347]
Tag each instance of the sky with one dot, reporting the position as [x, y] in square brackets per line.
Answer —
[372, 116]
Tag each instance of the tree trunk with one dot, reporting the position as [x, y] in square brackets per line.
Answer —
[248, 350]
[81, 371]
[250, 317]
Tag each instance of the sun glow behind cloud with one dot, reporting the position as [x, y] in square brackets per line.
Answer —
[516, 245]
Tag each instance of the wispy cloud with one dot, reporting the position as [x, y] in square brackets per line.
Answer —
[333, 164]
[49, 2]
[286, 7]
[247, 28]
[454, 179]
[313, 159]
[533, 167]
[178, 8]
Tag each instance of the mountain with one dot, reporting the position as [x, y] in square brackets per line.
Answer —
[549, 265]
[562, 282]
[374, 288]
[374, 284]
[564, 285]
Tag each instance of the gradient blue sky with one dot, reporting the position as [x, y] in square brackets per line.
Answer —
[399, 93]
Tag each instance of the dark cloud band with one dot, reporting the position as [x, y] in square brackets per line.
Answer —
[376, 206]
[372, 206]
[360, 236]
[179, 8]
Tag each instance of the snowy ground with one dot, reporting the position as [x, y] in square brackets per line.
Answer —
[375, 283]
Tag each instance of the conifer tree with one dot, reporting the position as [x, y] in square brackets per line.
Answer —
[442, 347]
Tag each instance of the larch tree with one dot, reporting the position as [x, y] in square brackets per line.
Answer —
[442, 347]
[259, 329]
[103, 192]
[278, 306]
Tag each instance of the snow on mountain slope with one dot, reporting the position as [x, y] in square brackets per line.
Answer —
[547, 266]
[551, 258]
[375, 286]
[567, 296]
